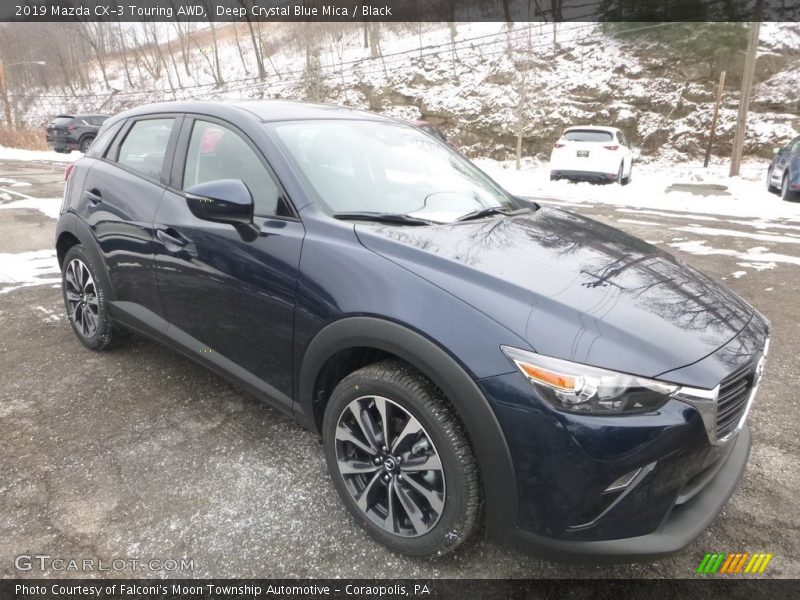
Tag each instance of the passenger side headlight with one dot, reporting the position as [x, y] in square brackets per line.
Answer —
[578, 388]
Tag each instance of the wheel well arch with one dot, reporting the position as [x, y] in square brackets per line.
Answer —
[353, 342]
[65, 241]
[71, 230]
[336, 368]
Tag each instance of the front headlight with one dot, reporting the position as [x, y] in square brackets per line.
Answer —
[578, 388]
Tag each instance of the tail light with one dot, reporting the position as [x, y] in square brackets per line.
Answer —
[611, 147]
[558, 145]
[68, 170]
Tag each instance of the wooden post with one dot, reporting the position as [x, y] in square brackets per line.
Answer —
[713, 132]
[747, 89]
[4, 94]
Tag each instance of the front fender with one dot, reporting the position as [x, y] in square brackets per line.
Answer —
[480, 422]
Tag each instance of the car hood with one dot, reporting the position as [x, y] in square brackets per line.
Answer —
[572, 287]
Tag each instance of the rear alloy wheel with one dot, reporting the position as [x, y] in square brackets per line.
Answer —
[400, 460]
[85, 143]
[627, 180]
[85, 299]
[771, 188]
[786, 193]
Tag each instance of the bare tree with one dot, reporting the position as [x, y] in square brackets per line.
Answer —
[95, 36]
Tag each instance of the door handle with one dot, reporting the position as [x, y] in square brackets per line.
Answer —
[173, 243]
[94, 196]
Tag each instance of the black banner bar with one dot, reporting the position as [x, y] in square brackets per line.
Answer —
[399, 10]
[707, 588]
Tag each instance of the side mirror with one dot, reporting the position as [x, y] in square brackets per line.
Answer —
[221, 201]
[776, 150]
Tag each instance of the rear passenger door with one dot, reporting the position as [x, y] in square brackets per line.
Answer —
[121, 195]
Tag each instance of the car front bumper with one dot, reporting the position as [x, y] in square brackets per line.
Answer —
[566, 466]
[681, 525]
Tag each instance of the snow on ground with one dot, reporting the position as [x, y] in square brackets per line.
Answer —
[725, 213]
[49, 206]
[657, 187]
[27, 155]
[25, 269]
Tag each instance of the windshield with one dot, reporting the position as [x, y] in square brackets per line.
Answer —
[379, 167]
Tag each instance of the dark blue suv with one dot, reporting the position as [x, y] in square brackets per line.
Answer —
[467, 356]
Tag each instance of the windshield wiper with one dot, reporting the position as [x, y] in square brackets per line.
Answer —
[378, 217]
[492, 210]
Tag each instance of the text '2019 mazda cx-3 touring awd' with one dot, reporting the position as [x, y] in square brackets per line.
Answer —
[467, 356]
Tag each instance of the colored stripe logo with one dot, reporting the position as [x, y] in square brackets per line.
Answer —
[733, 563]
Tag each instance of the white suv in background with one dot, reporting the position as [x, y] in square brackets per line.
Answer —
[589, 153]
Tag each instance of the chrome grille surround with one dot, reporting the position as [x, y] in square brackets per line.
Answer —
[725, 408]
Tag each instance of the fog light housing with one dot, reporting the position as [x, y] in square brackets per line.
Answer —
[623, 482]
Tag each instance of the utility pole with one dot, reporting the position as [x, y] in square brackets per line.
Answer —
[747, 89]
[713, 132]
[4, 94]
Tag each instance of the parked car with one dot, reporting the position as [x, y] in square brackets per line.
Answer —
[588, 153]
[466, 355]
[431, 129]
[66, 133]
[783, 175]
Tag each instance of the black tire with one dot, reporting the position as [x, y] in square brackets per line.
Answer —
[771, 188]
[786, 193]
[86, 302]
[620, 178]
[86, 142]
[627, 180]
[409, 395]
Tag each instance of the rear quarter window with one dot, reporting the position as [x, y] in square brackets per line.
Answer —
[103, 140]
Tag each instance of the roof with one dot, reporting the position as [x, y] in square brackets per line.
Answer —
[263, 110]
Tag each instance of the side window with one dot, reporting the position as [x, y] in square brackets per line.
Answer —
[100, 144]
[217, 152]
[144, 147]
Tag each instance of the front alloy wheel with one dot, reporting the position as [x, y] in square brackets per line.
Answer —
[390, 466]
[400, 459]
[786, 193]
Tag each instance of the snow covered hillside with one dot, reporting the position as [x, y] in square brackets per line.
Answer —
[480, 82]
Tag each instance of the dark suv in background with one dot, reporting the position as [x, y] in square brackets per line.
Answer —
[66, 133]
[467, 356]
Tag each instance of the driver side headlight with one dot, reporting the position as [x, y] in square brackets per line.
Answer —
[578, 388]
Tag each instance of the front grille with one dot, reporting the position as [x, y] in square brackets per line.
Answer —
[734, 391]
